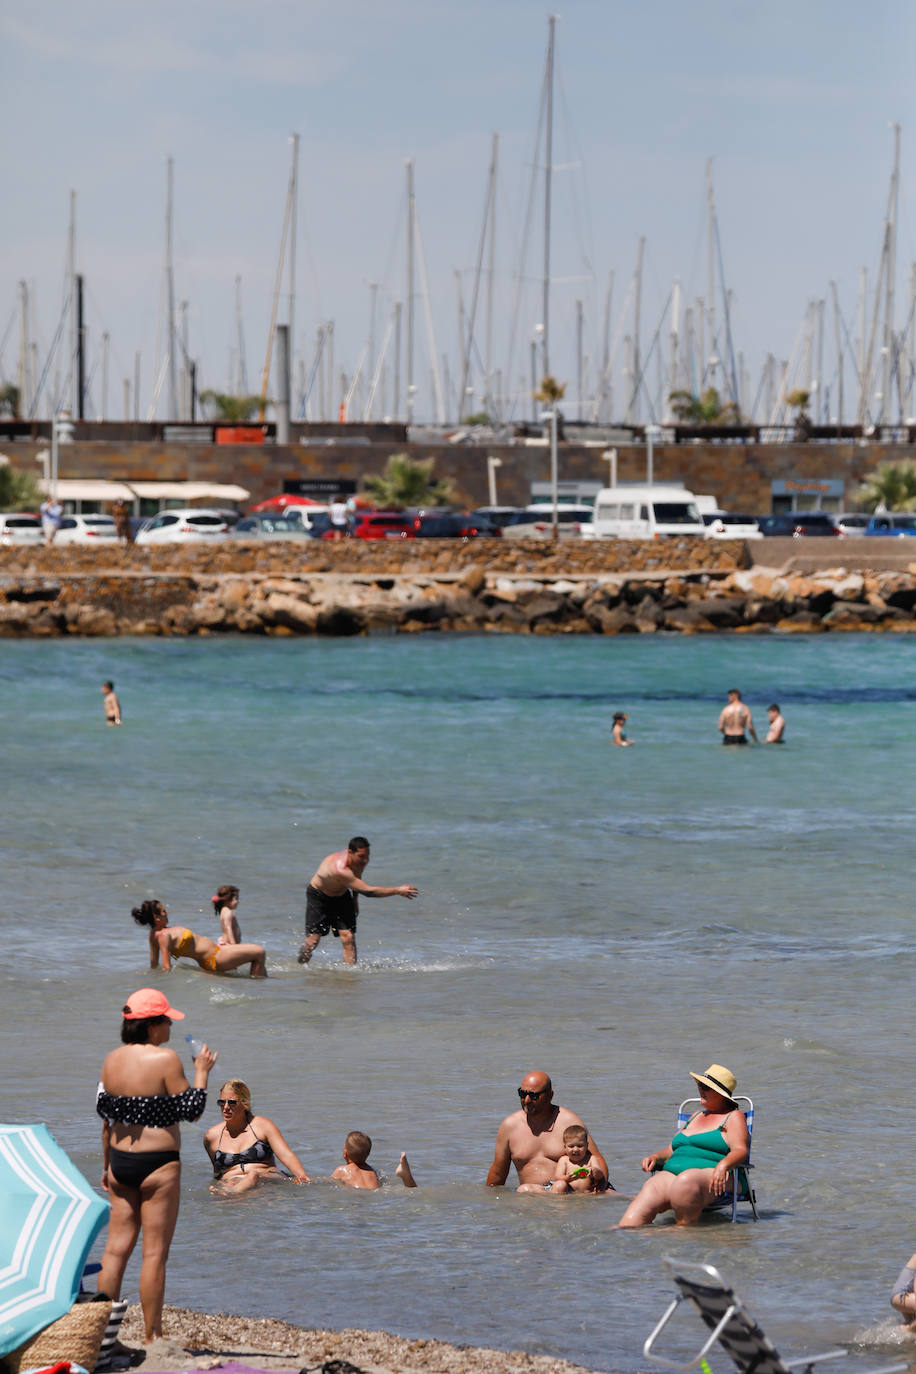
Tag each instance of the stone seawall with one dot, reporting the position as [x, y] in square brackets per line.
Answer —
[687, 587]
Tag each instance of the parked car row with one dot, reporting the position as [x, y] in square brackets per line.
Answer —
[625, 512]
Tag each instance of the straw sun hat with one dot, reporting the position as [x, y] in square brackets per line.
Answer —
[719, 1078]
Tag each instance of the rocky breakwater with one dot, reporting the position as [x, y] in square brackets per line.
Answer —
[686, 587]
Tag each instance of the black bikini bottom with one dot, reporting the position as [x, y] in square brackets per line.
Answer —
[132, 1167]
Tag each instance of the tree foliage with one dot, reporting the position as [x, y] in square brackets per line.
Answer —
[18, 490]
[235, 409]
[798, 399]
[9, 400]
[892, 486]
[407, 482]
[706, 409]
[550, 391]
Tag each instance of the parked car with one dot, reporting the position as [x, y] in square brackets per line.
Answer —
[722, 524]
[536, 522]
[440, 524]
[19, 528]
[86, 529]
[269, 527]
[501, 516]
[379, 524]
[852, 523]
[795, 524]
[892, 525]
[314, 519]
[651, 511]
[189, 524]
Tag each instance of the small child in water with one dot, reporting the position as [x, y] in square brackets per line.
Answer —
[356, 1173]
[225, 903]
[574, 1172]
[111, 704]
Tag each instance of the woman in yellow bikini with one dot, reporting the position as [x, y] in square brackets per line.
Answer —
[177, 942]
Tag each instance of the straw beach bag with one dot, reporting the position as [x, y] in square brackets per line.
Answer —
[77, 1337]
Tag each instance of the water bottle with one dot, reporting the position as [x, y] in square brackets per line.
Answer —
[194, 1045]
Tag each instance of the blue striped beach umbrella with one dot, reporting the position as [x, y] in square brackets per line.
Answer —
[49, 1217]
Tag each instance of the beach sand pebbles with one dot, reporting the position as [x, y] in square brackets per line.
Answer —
[197, 1340]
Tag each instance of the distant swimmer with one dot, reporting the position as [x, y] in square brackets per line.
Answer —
[111, 704]
[735, 720]
[332, 898]
[533, 1139]
[177, 942]
[618, 730]
[777, 730]
[355, 1172]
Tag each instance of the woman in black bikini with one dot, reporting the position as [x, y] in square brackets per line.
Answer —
[244, 1147]
[143, 1094]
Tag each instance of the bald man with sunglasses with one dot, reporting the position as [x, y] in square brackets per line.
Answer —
[532, 1139]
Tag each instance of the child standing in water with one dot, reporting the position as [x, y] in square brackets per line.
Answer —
[225, 904]
[111, 704]
[356, 1173]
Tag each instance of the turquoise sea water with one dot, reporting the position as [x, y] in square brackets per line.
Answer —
[615, 917]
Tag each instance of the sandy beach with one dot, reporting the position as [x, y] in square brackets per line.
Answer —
[200, 1340]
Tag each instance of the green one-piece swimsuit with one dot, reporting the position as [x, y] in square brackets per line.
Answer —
[703, 1150]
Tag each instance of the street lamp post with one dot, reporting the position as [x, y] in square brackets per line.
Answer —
[652, 432]
[551, 415]
[492, 465]
[610, 456]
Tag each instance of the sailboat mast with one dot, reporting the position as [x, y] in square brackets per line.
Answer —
[491, 272]
[72, 383]
[548, 170]
[411, 209]
[710, 274]
[888, 349]
[294, 198]
[241, 375]
[170, 293]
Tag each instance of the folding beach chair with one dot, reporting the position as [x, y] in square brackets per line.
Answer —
[730, 1325]
[740, 1189]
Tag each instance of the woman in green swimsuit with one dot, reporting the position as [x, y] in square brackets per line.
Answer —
[693, 1170]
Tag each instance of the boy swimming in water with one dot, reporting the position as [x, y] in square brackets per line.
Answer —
[575, 1172]
[356, 1173]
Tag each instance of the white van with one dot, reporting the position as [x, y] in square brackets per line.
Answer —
[644, 512]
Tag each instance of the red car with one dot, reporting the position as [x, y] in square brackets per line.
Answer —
[381, 524]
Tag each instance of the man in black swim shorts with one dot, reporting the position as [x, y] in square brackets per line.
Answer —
[734, 719]
[332, 898]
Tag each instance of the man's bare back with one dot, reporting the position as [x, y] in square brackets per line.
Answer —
[532, 1138]
[735, 719]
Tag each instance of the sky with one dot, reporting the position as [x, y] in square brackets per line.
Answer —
[793, 102]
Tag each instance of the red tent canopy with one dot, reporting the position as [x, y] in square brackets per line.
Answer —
[285, 498]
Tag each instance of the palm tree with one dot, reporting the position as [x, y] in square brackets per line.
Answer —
[892, 486]
[407, 482]
[235, 409]
[798, 401]
[707, 409]
[550, 391]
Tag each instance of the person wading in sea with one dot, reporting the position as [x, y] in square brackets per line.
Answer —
[734, 719]
[332, 898]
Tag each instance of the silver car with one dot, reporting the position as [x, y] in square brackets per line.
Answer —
[18, 528]
[191, 524]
